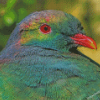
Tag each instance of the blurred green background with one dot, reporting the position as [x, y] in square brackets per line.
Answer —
[87, 11]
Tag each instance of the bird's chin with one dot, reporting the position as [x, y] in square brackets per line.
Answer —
[74, 50]
[71, 47]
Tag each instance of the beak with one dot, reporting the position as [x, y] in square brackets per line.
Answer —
[84, 41]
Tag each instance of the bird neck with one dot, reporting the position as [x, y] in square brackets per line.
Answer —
[11, 53]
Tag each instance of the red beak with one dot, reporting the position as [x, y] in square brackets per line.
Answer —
[84, 41]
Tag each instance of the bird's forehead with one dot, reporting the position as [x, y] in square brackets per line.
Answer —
[43, 17]
[51, 16]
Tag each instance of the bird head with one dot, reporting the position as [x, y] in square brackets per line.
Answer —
[51, 29]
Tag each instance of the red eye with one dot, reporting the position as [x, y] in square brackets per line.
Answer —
[45, 29]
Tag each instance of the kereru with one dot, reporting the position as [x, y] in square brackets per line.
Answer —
[41, 61]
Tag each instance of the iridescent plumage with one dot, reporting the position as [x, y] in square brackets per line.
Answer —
[37, 66]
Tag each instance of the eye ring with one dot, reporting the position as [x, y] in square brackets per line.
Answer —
[45, 28]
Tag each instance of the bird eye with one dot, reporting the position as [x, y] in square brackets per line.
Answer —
[46, 29]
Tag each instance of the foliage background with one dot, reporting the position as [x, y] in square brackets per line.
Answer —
[87, 11]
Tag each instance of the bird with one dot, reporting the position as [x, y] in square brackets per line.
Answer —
[41, 62]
